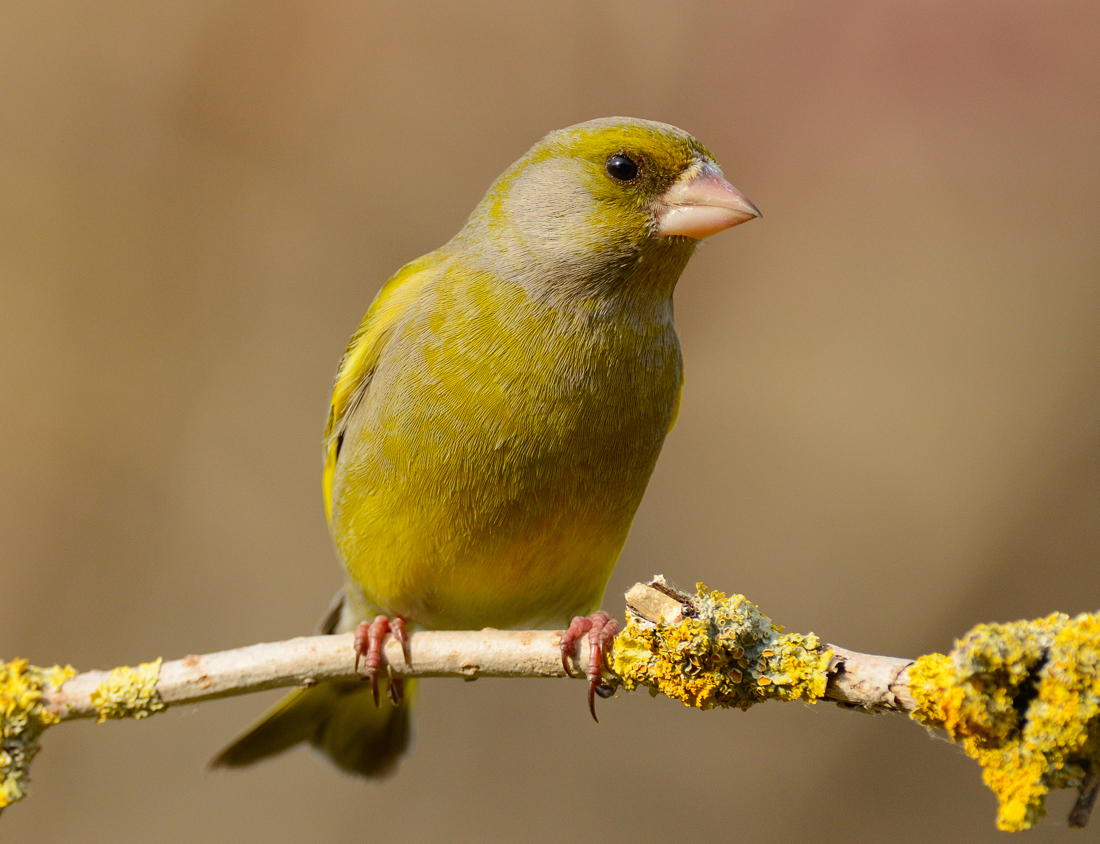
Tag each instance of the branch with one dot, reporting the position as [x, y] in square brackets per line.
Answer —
[857, 680]
[312, 659]
[1022, 699]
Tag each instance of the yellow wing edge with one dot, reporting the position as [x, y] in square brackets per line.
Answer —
[361, 358]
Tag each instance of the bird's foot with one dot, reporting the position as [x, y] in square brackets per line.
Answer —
[602, 630]
[368, 646]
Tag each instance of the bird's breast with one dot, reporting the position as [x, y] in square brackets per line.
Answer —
[494, 467]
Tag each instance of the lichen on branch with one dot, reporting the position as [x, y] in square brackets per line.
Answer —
[22, 720]
[1023, 699]
[717, 651]
[129, 692]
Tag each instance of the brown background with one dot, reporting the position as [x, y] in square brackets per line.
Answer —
[890, 428]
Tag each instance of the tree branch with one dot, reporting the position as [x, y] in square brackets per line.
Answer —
[861, 681]
[1023, 699]
[313, 659]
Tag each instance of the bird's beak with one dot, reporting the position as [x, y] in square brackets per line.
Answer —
[701, 203]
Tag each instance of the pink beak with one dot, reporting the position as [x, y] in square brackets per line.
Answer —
[701, 203]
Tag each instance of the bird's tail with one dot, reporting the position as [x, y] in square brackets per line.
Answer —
[340, 720]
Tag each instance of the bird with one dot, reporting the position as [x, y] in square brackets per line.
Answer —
[497, 415]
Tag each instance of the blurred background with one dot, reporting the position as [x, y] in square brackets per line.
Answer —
[890, 428]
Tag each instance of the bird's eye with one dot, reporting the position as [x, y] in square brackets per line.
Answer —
[622, 168]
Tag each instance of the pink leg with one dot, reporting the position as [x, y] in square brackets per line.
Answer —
[601, 629]
[368, 645]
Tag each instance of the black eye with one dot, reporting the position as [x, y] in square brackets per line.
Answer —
[621, 168]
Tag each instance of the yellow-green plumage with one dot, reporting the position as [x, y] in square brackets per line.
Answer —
[497, 415]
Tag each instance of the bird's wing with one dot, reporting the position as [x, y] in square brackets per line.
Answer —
[361, 358]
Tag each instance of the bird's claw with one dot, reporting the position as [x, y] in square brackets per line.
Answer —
[368, 647]
[601, 629]
[395, 688]
[401, 634]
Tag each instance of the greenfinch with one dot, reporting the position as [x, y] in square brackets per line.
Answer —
[497, 415]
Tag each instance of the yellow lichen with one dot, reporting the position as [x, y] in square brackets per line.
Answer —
[726, 654]
[1023, 699]
[129, 692]
[22, 720]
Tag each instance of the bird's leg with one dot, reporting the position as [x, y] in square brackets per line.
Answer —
[601, 629]
[368, 646]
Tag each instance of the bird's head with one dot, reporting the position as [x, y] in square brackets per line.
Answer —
[601, 196]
